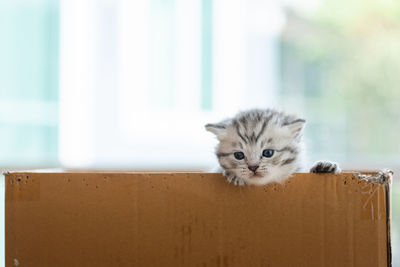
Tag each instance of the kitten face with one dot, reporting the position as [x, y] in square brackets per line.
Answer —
[259, 146]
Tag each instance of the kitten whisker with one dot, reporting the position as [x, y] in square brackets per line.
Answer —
[250, 134]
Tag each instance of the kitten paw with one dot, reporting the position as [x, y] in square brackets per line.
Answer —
[325, 167]
[231, 178]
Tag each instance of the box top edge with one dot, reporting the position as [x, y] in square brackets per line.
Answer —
[379, 177]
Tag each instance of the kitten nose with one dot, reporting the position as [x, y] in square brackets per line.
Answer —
[253, 168]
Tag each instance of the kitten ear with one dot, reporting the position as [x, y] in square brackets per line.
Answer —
[219, 129]
[296, 127]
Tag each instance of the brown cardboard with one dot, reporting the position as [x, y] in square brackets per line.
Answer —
[194, 219]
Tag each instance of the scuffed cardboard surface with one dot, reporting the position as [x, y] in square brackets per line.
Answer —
[384, 176]
[193, 219]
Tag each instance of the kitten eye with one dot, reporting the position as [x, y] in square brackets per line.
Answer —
[268, 153]
[239, 155]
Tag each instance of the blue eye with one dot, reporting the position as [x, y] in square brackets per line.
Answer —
[239, 155]
[268, 153]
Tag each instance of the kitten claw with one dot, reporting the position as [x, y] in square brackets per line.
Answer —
[325, 167]
[238, 181]
[231, 178]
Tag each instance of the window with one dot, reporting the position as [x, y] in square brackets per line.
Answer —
[140, 79]
[29, 82]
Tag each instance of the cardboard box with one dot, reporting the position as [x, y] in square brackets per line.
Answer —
[195, 219]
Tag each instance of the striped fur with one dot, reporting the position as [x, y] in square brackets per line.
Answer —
[253, 131]
[325, 167]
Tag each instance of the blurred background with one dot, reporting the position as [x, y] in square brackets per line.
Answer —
[130, 84]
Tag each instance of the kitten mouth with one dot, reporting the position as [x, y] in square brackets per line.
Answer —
[256, 175]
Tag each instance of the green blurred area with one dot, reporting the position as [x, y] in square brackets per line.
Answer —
[341, 65]
[28, 82]
[343, 62]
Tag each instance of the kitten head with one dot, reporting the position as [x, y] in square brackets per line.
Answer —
[259, 146]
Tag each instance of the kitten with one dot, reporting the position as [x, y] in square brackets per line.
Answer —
[258, 147]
